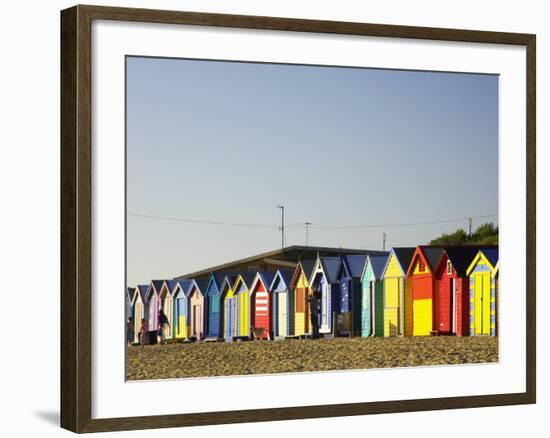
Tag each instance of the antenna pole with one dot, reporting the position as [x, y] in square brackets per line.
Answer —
[282, 227]
[470, 226]
[383, 241]
[307, 224]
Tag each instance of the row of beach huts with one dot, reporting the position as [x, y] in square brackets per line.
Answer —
[408, 291]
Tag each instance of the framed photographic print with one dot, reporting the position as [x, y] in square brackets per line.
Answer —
[271, 218]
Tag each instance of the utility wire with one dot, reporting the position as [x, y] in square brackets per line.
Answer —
[301, 225]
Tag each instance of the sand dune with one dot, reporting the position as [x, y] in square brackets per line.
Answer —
[262, 357]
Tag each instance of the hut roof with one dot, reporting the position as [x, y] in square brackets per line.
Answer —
[461, 258]
[378, 263]
[355, 263]
[432, 254]
[403, 256]
[330, 267]
[142, 290]
[491, 254]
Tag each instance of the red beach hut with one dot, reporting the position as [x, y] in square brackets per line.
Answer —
[260, 301]
[452, 292]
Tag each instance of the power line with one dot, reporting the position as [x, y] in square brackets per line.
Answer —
[406, 224]
[198, 221]
[301, 225]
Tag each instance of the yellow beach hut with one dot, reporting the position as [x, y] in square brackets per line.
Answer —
[396, 289]
[241, 299]
[495, 286]
[299, 285]
[482, 295]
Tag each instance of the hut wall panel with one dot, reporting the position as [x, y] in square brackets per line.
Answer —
[480, 299]
[422, 295]
[300, 311]
[138, 315]
[391, 306]
[282, 314]
[378, 308]
[180, 316]
[366, 303]
[409, 323]
[154, 305]
[291, 314]
[356, 308]
[301, 296]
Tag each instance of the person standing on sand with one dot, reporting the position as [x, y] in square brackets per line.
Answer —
[164, 326]
[313, 301]
[129, 331]
[143, 332]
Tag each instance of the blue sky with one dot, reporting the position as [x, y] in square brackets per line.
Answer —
[226, 142]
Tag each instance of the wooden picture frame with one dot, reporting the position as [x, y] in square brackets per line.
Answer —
[76, 217]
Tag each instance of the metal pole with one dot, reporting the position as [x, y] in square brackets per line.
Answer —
[383, 241]
[282, 228]
[307, 224]
[470, 226]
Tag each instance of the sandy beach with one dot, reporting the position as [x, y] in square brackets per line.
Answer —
[201, 359]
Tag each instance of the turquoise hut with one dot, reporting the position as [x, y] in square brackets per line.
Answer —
[372, 296]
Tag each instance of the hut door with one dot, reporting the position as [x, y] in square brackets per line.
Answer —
[453, 305]
[324, 305]
[282, 309]
[195, 316]
[372, 306]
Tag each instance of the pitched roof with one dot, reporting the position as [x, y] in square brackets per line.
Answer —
[285, 275]
[330, 267]
[491, 254]
[229, 279]
[183, 284]
[171, 285]
[432, 254]
[355, 263]
[142, 290]
[215, 278]
[377, 264]
[157, 284]
[461, 258]
[307, 266]
[267, 278]
[404, 256]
